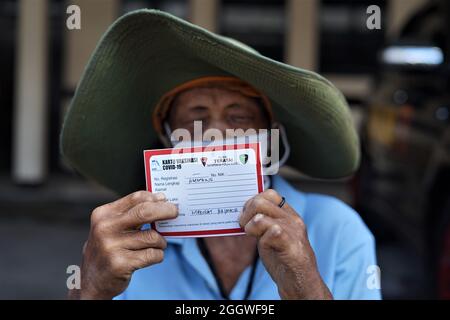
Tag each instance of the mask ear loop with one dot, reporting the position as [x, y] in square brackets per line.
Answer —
[286, 147]
[165, 138]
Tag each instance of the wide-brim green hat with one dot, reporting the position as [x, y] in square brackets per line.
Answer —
[146, 53]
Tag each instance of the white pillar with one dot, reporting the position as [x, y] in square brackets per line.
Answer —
[302, 34]
[96, 17]
[29, 163]
[204, 13]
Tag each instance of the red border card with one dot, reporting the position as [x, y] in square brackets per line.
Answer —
[149, 153]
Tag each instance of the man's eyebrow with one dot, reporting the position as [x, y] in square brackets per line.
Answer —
[197, 107]
[238, 105]
[235, 105]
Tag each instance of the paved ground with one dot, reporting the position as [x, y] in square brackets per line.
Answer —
[35, 256]
[42, 230]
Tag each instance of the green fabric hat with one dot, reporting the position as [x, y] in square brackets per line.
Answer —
[146, 53]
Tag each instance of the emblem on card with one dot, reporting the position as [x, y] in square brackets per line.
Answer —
[155, 165]
[204, 160]
[243, 158]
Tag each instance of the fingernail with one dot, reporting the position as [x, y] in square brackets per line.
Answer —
[276, 230]
[160, 196]
[258, 217]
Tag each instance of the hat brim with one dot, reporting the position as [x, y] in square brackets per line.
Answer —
[146, 53]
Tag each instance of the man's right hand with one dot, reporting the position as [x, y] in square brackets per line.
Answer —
[117, 246]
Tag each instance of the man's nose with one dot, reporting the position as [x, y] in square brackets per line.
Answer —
[220, 125]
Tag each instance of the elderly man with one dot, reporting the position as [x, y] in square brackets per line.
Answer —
[152, 72]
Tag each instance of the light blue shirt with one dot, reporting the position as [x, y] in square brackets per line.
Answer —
[343, 245]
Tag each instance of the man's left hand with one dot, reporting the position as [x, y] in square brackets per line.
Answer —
[283, 246]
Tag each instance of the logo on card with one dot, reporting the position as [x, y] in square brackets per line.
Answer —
[155, 165]
[204, 160]
[243, 158]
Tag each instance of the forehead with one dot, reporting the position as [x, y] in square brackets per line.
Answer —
[210, 95]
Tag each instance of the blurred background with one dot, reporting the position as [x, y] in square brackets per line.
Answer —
[396, 79]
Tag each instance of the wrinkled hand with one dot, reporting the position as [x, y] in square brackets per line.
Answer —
[117, 246]
[283, 246]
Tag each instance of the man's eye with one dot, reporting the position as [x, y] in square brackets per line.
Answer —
[241, 119]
